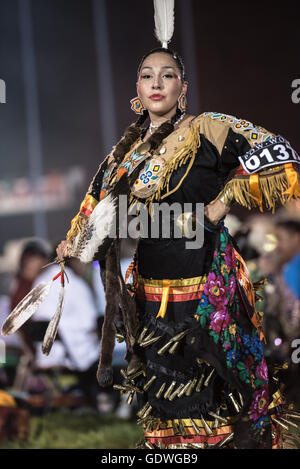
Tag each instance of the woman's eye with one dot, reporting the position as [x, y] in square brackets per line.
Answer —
[145, 77]
[168, 75]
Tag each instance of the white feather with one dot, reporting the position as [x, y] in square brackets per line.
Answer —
[26, 308]
[164, 21]
[52, 328]
[99, 226]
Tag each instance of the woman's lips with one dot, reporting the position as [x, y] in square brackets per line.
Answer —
[156, 97]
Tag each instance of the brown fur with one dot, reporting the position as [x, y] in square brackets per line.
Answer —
[104, 373]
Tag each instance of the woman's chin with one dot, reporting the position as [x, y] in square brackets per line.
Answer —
[160, 111]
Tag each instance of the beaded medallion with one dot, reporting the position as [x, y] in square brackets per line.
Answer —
[148, 179]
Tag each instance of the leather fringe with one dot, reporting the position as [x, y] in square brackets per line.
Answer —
[185, 152]
[271, 188]
[76, 226]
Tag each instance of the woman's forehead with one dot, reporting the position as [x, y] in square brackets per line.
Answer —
[159, 60]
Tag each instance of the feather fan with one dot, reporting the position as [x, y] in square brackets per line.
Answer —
[101, 227]
[97, 228]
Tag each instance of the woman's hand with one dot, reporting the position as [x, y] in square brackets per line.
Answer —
[64, 249]
[214, 212]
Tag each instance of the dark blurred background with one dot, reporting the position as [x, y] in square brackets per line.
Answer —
[70, 69]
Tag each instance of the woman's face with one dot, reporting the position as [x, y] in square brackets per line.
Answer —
[159, 84]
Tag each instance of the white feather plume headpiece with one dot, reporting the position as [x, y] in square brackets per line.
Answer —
[164, 21]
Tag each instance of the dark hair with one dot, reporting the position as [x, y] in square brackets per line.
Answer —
[173, 54]
[292, 226]
[32, 248]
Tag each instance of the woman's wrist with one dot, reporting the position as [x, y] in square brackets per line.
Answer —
[208, 214]
[216, 211]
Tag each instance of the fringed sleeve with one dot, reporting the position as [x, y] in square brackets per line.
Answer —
[265, 189]
[266, 166]
[89, 202]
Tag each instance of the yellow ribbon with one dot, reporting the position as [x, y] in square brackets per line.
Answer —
[255, 190]
[292, 176]
[177, 282]
[164, 299]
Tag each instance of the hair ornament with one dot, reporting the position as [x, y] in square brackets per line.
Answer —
[164, 21]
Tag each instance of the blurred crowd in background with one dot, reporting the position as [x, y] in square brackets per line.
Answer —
[32, 383]
[36, 383]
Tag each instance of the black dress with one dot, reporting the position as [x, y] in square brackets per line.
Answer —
[202, 380]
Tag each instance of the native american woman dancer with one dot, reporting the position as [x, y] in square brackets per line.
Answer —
[194, 338]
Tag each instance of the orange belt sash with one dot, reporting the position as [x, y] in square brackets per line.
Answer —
[165, 290]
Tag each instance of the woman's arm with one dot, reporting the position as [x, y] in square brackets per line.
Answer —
[265, 165]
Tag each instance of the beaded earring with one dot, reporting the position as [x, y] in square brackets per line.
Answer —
[137, 105]
[182, 102]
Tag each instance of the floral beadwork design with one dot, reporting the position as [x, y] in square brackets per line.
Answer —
[218, 311]
[145, 177]
[149, 177]
[148, 173]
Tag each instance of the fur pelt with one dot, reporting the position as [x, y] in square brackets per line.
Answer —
[112, 293]
[120, 314]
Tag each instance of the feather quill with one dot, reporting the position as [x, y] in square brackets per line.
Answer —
[164, 21]
[26, 308]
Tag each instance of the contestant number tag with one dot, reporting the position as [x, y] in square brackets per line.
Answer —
[273, 152]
